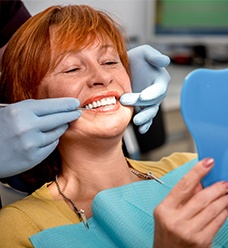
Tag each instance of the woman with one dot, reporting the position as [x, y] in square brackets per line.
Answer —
[79, 52]
[149, 77]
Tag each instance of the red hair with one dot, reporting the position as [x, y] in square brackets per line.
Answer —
[27, 58]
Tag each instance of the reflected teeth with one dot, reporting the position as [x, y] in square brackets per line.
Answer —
[101, 103]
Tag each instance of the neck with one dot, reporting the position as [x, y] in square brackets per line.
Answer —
[95, 168]
[89, 169]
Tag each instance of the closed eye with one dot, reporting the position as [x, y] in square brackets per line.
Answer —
[71, 70]
[111, 63]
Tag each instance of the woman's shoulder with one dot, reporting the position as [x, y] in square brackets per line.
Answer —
[28, 204]
[41, 209]
[26, 217]
[164, 165]
[32, 214]
[18, 223]
[179, 158]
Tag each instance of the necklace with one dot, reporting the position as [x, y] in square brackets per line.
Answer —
[80, 213]
[148, 175]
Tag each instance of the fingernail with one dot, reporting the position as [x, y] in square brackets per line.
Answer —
[208, 162]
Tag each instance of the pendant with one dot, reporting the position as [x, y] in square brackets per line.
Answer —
[82, 215]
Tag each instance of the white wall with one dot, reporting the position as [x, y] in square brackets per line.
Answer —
[132, 13]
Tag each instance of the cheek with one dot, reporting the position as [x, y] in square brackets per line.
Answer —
[55, 90]
[126, 83]
[42, 92]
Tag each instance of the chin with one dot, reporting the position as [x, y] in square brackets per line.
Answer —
[106, 126]
[110, 130]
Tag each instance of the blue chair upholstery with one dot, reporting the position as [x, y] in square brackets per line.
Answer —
[204, 106]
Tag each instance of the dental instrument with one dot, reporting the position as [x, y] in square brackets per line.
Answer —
[2, 105]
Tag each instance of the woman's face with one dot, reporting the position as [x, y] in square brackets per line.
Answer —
[97, 78]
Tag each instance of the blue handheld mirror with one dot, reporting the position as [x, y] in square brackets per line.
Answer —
[204, 106]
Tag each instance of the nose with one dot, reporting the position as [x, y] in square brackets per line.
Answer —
[99, 76]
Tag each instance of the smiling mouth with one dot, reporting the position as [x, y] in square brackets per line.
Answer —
[101, 103]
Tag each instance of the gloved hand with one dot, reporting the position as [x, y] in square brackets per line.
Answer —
[150, 82]
[30, 131]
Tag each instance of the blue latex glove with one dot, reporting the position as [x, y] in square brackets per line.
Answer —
[30, 131]
[150, 82]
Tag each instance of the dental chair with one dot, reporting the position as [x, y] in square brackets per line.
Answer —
[9, 195]
[204, 106]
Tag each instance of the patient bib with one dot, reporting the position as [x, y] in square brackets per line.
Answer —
[122, 218]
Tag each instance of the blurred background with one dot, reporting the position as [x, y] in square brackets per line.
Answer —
[193, 33]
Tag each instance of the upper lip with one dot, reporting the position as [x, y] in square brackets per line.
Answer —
[101, 96]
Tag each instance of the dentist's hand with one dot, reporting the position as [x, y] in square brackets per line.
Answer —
[150, 82]
[30, 131]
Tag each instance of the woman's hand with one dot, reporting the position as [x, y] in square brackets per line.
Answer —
[191, 216]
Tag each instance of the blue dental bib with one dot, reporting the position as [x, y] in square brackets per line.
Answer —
[122, 218]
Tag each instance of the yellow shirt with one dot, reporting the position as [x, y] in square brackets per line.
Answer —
[39, 211]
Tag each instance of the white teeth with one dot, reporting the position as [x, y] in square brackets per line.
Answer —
[94, 104]
[102, 102]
